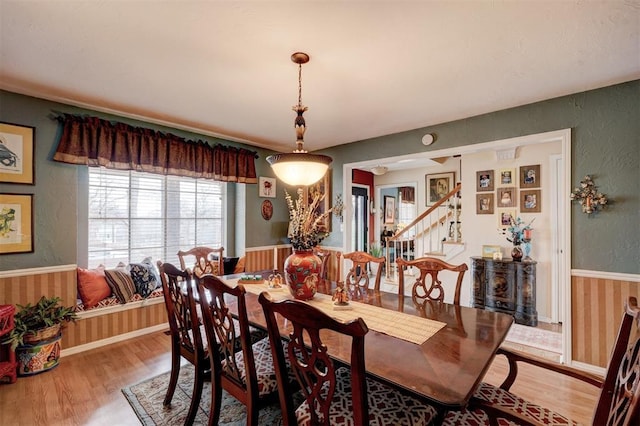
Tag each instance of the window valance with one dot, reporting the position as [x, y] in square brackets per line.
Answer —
[408, 194]
[96, 142]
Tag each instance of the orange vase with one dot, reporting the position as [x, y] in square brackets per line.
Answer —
[302, 272]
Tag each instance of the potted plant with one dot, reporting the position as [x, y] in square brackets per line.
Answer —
[36, 334]
[376, 251]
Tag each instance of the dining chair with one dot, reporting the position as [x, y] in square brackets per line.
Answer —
[249, 374]
[358, 276]
[618, 404]
[334, 394]
[428, 284]
[324, 256]
[207, 260]
[186, 336]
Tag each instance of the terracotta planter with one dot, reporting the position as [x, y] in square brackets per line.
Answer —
[302, 271]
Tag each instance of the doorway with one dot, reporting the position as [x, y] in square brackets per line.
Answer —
[360, 217]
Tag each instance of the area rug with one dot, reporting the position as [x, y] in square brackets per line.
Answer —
[146, 400]
[535, 337]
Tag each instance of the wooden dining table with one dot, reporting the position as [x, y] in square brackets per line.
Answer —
[445, 369]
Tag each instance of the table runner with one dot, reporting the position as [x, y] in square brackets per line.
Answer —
[407, 327]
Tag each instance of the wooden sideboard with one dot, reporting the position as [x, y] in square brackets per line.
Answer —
[505, 286]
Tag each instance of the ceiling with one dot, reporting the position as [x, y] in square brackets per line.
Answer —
[377, 67]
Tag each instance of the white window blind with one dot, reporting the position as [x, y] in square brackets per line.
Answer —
[133, 215]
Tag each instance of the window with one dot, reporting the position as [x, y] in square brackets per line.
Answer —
[406, 215]
[133, 215]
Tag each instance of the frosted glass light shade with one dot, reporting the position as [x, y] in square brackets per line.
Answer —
[299, 169]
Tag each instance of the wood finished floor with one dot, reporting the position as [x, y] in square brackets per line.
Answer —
[85, 388]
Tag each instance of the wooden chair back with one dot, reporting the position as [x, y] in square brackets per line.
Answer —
[358, 276]
[428, 284]
[207, 260]
[310, 361]
[186, 338]
[324, 256]
[619, 402]
[181, 312]
[223, 339]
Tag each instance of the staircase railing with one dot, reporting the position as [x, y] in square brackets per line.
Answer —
[426, 233]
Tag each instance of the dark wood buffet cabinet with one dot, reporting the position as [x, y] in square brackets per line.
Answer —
[505, 286]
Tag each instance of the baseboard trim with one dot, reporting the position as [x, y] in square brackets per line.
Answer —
[589, 368]
[114, 339]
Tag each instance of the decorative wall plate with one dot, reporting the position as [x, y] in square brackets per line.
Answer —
[267, 209]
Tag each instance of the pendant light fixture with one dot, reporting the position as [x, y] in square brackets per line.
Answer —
[299, 167]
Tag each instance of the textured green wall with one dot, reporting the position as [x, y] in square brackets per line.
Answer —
[59, 195]
[606, 144]
[605, 127]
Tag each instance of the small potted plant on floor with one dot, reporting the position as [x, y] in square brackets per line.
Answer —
[36, 334]
[376, 251]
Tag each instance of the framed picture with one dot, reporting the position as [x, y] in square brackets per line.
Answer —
[507, 196]
[484, 181]
[484, 203]
[16, 223]
[505, 218]
[438, 185]
[507, 177]
[16, 153]
[530, 176]
[389, 209]
[267, 187]
[488, 251]
[323, 186]
[530, 201]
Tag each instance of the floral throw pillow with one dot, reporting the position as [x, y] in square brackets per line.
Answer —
[144, 276]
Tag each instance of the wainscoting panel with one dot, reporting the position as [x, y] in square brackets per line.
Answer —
[261, 258]
[597, 306]
[29, 287]
[87, 330]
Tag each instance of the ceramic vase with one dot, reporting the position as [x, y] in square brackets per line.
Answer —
[301, 272]
[516, 253]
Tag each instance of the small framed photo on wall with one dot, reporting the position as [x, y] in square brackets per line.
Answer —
[267, 187]
[530, 201]
[507, 177]
[507, 197]
[530, 176]
[484, 181]
[505, 218]
[484, 203]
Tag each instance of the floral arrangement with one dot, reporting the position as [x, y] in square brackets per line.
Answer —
[518, 232]
[304, 223]
[588, 196]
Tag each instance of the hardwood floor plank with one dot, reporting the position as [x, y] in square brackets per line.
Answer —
[85, 389]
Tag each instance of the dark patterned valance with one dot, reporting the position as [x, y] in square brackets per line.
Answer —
[96, 142]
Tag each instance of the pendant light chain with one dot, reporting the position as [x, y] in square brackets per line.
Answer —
[299, 84]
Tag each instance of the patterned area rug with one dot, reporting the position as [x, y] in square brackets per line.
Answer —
[535, 337]
[146, 400]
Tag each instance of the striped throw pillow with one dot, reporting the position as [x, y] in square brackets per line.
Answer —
[121, 284]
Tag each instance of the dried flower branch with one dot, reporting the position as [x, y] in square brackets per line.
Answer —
[304, 223]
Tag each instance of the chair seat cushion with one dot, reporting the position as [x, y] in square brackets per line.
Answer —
[387, 406]
[504, 399]
[265, 369]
